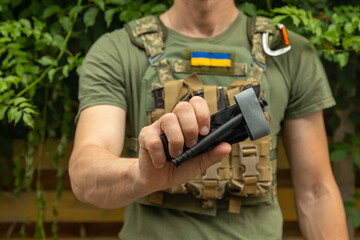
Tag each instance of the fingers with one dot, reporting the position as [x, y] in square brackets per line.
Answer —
[183, 125]
[194, 118]
[186, 116]
[202, 113]
[150, 142]
[169, 123]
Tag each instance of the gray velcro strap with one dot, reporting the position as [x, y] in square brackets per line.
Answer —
[254, 116]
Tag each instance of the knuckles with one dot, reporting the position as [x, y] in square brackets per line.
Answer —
[182, 106]
[154, 144]
[168, 117]
[197, 100]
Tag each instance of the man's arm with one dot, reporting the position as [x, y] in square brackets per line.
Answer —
[99, 176]
[319, 204]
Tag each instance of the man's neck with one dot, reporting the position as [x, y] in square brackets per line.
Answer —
[200, 18]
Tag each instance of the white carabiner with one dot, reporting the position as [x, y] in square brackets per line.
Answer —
[267, 50]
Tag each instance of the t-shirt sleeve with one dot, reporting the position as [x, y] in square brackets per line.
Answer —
[101, 77]
[309, 87]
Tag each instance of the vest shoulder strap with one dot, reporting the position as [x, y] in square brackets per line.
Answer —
[147, 33]
[260, 24]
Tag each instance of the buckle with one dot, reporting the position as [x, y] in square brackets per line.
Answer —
[255, 61]
[265, 41]
[152, 60]
[249, 159]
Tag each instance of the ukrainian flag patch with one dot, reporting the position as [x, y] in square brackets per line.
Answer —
[210, 59]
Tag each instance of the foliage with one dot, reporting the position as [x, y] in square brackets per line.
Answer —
[335, 33]
[43, 43]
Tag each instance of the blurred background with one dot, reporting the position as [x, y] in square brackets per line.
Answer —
[42, 46]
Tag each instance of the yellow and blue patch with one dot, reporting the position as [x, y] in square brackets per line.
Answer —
[210, 59]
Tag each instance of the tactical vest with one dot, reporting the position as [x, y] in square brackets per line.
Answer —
[247, 175]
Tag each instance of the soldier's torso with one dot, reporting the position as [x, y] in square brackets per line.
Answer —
[246, 175]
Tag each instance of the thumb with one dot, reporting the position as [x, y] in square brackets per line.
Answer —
[215, 155]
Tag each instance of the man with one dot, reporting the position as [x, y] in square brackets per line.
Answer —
[109, 93]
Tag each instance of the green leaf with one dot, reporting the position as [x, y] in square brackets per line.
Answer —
[29, 110]
[51, 74]
[25, 105]
[343, 58]
[28, 120]
[3, 85]
[90, 16]
[19, 100]
[12, 79]
[47, 37]
[2, 112]
[26, 26]
[349, 28]
[100, 4]
[158, 8]
[6, 95]
[14, 115]
[19, 69]
[356, 218]
[66, 70]
[109, 14]
[332, 36]
[59, 42]
[352, 43]
[278, 19]
[65, 23]
[47, 60]
[248, 8]
[75, 10]
[146, 7]
[117, 2]
[51, 10]
[296, 20]
[128, 15]
[338, 155]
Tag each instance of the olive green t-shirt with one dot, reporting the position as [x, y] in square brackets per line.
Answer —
[112, 73]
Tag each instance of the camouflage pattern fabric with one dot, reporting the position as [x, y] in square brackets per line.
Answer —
[163, 71]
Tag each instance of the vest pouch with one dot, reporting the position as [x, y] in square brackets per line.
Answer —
[250, 167]
[212, 183]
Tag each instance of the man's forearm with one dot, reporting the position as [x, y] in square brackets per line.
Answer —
[103, 179]
[321, 214]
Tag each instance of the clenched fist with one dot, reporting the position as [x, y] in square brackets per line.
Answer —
[182, 126]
